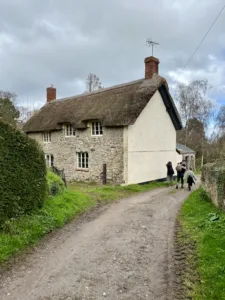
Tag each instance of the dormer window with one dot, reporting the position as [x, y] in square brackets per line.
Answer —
[69, 130]
[46, 137]
[96, 129]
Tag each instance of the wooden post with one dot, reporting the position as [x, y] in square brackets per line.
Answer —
[104, 174]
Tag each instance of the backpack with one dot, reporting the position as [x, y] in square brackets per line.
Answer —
[179, 168]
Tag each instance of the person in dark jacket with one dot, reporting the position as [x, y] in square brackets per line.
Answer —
[181, 169]
[190, 176]
[170, 171]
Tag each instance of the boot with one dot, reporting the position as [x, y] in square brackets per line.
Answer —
[182, 186]
[177, 187]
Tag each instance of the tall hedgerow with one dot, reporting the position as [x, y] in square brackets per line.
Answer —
[23, 183]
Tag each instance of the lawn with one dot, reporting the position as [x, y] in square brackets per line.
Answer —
[16, 234]
[203, 225]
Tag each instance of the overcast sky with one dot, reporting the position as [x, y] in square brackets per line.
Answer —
[59, 42]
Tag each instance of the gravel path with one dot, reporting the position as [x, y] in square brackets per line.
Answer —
[121, 251]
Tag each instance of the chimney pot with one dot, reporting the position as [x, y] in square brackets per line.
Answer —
[51, 94]
[151, 66]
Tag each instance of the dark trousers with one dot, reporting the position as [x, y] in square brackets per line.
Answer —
[190, 181]
[180, 177]
[169, 177]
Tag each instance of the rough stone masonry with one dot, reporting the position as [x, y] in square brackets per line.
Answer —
[106, 149]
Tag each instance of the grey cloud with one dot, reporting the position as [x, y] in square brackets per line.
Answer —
[60, 42]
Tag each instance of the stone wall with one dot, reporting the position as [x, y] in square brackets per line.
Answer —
[190, 160]
[213, 181]
[107, 149]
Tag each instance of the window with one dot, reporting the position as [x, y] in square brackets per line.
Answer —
[69, 130]
[97, 128]
[49, 159]
[47, 137]
[82, 160]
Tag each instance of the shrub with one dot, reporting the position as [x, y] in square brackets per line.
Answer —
[204, 195]
[55, 184]
[23, 184]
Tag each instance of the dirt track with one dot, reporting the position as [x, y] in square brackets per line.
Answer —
[121, 251]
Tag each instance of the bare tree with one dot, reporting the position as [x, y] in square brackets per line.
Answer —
[194, 135]
[204, 115]
[26, 113]
[220, 120]
[194, 103]
[93, 83]
[217, 142]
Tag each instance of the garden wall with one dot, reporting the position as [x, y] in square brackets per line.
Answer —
[213, 181]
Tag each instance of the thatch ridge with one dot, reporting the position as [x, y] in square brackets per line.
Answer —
[119, 105]
[102, 90]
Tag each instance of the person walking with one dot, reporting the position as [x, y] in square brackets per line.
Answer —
[181, 169]
[190, 176]
[170, 171]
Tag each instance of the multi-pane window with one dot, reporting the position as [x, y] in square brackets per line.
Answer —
[97, 128]
[69, 130]
[82, 160]
[47, 137]
[49, 160]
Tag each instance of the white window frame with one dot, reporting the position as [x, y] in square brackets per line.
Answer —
[49, 159]
[69, 130]
[96, 128]
[82, 160]
[47, 137]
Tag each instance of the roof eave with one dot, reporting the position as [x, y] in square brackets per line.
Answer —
[170, 107]
[40, 131]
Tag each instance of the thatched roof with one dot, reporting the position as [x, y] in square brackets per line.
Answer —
[116, 106]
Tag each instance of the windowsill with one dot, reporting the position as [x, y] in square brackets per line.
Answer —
[82, 170]
[70, 136]
[46, 142]
[100, 135]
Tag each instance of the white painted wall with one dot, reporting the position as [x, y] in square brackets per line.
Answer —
[151, 143]
[179, 158]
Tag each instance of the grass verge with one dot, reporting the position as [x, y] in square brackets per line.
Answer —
[16, 234]
[107, 193]
[203, 225]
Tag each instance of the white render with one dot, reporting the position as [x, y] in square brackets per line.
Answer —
[179, 158]
[151, 143]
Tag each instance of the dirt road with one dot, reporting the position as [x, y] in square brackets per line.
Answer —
[121, 252]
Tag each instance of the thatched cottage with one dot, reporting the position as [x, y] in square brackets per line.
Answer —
[129, 128]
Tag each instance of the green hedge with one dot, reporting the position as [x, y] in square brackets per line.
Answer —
[23, 184]
[55, 184]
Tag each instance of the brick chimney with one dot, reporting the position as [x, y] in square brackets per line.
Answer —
[151, 66]
[51, 94]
